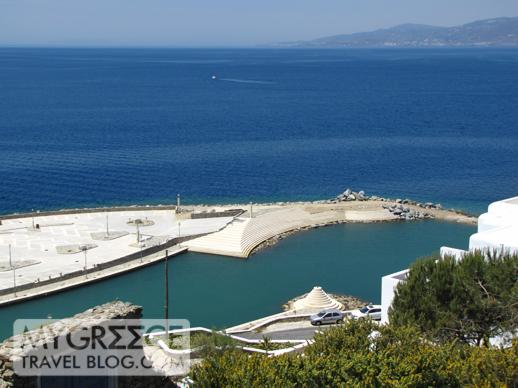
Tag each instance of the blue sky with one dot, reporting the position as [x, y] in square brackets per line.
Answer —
[221, 22]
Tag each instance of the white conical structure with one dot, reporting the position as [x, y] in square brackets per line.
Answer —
[317, 299]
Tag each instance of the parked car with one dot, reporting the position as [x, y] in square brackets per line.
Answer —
[327, 316]
[371, 310]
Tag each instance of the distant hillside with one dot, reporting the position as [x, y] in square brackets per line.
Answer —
[485, 33]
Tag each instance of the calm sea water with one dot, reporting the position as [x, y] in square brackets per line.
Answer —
[216, 291]
[84, 127]
[97, 127]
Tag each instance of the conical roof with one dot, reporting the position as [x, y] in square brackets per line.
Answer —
[317, 299]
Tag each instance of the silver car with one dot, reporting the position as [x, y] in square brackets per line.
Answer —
[327, 316]
[373, 311]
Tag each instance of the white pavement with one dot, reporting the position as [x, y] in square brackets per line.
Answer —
[40, 246]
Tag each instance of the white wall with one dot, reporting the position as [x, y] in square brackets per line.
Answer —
[388, 286]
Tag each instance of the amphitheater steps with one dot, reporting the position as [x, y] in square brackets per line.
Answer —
[241, 236]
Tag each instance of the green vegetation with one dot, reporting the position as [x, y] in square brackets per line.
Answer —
[441, 315]
[209, 341]
[470, 300]
[267, 344]
[349, 355]
[216, 343]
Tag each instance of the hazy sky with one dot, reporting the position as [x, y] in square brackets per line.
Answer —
[221, 22]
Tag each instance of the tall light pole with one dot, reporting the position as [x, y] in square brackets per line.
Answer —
[32, 212]
[14, 270]
[107, 230]
[250, 209]
[84, 248]
[178, 203]
[166, 306]
[137, 223]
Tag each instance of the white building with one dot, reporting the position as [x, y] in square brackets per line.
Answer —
[497, 230]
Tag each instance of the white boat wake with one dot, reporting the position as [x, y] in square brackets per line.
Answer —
[246, 81]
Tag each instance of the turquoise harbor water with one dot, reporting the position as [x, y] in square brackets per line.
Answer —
[217, 291]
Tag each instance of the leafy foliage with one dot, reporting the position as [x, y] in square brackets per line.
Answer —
[470, 300]
[360, 353]
[441, 310]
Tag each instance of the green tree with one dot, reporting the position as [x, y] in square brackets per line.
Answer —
[361, 353]
[471, 300]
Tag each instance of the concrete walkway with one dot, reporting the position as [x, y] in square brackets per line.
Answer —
[96, 276]
[62, 244]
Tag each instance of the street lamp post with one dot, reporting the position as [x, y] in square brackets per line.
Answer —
[84, 248]
[166, 306]
[14, 270]
[32, 211]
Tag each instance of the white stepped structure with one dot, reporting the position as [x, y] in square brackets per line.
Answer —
[225, 242]
[317, 299]
[242, 235]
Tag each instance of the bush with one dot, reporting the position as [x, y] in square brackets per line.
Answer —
[351, 355]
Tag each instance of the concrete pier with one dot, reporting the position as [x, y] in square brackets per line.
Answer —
[67, 249]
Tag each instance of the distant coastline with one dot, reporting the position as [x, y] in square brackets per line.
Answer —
[498, 32]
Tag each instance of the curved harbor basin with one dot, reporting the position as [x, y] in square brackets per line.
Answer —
[216, 291]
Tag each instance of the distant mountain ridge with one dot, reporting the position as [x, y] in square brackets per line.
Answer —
[483, 33]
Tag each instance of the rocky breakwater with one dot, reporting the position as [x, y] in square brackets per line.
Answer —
[349, 195]
[406, 213]
[405, 209]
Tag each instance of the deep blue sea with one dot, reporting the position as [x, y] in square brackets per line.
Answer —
[90, 127]
[86, 127]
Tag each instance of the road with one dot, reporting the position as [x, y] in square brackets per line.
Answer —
[305, 333]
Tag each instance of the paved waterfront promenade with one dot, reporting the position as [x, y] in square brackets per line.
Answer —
[62, 244]
[50, 252]
[76, 281]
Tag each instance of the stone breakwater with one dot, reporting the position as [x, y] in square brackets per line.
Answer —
[406, 213]
[349, 195]
[398, 208]
[360, 207]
